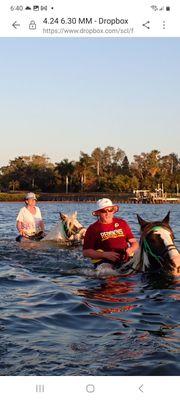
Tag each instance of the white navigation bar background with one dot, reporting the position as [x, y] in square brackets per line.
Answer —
[89, 387]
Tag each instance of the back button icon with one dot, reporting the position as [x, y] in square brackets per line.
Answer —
[141, 388]
[15, 24]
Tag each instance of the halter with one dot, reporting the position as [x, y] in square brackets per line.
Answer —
[147, 248]
[74, 231]
[148, 229]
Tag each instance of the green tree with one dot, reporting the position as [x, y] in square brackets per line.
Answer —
[146, 167]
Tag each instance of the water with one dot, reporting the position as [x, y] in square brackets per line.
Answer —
[58, 318]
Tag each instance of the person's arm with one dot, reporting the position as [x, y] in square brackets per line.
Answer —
[99, 255]
[41, 224]
[134, 246]
[19, 222]
[20, 229]
[89, 248]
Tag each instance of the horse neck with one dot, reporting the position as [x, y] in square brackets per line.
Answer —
[56, 233]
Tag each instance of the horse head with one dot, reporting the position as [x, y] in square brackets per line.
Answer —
[158, 251]
[74, 230]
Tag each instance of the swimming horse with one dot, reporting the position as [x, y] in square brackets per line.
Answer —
[67, 231]
[157, 253]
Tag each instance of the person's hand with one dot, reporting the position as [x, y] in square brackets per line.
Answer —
[112, 256]
[129, 252]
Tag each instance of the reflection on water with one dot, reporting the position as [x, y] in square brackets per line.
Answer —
[110, 291]
[58, 318]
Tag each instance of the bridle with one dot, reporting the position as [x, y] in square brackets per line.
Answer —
[74, 231]
[149, 228]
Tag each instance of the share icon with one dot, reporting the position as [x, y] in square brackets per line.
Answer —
[146, 24]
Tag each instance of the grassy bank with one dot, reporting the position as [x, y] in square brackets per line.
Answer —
[12, 196]
[86, 197]
[78, 197]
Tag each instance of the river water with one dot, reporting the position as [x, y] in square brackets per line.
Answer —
[58, 318]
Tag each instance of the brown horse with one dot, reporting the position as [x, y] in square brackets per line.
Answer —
[158, 252]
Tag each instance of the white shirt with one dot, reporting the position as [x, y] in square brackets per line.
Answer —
[30, 222]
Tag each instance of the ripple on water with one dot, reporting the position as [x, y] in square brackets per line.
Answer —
[58, 318]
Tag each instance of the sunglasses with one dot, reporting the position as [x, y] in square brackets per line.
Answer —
[104, 211]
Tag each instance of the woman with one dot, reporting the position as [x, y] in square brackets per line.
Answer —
[29, 220]
[109, 238]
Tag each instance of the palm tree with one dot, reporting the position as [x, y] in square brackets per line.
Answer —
[65, 169]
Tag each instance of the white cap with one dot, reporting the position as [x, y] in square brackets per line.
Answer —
[30, 195]
[104, 203]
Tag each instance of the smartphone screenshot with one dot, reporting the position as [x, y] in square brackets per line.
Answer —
[89, 199]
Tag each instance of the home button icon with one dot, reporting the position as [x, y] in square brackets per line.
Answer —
[90, 388]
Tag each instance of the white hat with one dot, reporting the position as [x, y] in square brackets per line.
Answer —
[104, 203]
[30, 195]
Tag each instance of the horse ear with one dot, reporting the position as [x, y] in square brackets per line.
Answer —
[63, 217]
[141, 221]
[166, 219]
[74, 215]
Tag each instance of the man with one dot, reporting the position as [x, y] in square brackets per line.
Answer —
[109, 238]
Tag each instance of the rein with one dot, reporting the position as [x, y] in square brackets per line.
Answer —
[148, 250]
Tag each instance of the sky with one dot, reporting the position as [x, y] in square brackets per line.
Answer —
[62, 96]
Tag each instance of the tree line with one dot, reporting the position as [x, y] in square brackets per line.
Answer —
[107, 170]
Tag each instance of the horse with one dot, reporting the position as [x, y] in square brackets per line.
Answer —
[68, 230]
[158, 253]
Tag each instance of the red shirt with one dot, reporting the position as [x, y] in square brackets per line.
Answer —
[108, 237]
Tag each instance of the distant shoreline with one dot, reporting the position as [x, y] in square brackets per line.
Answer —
[85, 198]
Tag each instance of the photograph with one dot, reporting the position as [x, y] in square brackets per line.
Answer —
[89, 206]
